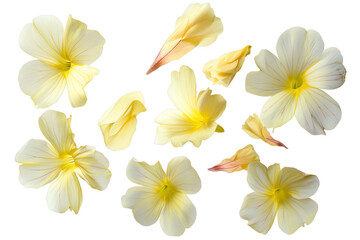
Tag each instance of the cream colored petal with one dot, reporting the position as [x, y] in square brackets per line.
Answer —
[145, 204]
[295, 213]
[329, 72]
[78, 77]
[42, 39]
[56, 129]
[92, 166]
[144, 174]
[279, 109]
[65, 193]
[211, 107]
[42, 82]
[317, 111]
[40, 163]
[178, 214]
[82, 46]
[183, 176]
[259, 210]
[273, 173]
[258, 178]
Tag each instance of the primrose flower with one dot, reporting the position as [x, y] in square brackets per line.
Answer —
[255, 129]
[118, 124]
[63, 60]
[198, 26]
[283, 192]
[223, 70]
[163, 194]
[195, 118]
[239, 161]
[61, 161]
[294, 81]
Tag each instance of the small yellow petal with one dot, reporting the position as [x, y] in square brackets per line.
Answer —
[223, 70]
[198, 26]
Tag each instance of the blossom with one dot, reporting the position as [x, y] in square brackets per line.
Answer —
[255, 129]
[198, 26]
[284, 192]
[118, 124]
[163, 194]
[63, 60]
[195, 118]
[61, 161]
[223, 70]
[239, 161]
[295, 79]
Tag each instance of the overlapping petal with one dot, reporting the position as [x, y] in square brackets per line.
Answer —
[257, 177]
[211, 107]
[144, 174]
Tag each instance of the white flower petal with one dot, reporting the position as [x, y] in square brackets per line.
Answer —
[65, 193]
[329, 72]
[145, 204]
[260, 211]
[294, 213]
[144, 174]
[257, 177]
[317, 111]
[178, 214]
[273, 172]
[183, 176]
[279, 109]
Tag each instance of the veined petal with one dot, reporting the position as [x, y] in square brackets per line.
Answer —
[179, 213]
[77, 78]
[42, 39]
[294, 213]
[273, 173]
[317, 111]
[40, 163]
[279, 109]
[145, 203]
[92, 166]
[44, 83]
[56, 129]
[211, 107]
[82, 46]
[259, 210]
[258, 177]
[329, 72]
[183, 176]
[65, 193]
[144, 174]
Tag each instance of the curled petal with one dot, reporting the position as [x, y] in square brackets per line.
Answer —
[144, 174]
[211, 106]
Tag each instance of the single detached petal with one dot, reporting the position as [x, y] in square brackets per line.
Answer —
[40, 163]
[329, 72]
[260, 211]
[183, 176]
[65, 193]
[198, 26]
[144, 174]
[44, 83]
[294, 213]
[239, 161]
[92, 166]
[211, 107]
[56, 129]
[145, 203]
[178, 214]
[82, 46]
[258, 178]
[223, 70]
[279, 109]
[317, 111]
[118, 123]
[255, 129]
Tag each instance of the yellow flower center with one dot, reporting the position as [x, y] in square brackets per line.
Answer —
[166, 190]
[280, 195]
[68, 160]
[295, 82]
[64, 65]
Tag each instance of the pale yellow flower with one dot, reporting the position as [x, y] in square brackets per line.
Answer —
[198, 26]
[223, 70]
[284, 192]
[163, 194]
[239, 161]
[195, 118]
[61, 161]
[255, 129]
[118, 124]
[63, 60]
[294, 80]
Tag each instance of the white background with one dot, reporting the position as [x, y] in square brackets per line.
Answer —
[134, 33]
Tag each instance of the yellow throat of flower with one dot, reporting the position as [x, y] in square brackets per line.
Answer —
[166, 190]
[279, 195]
[296, 82]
